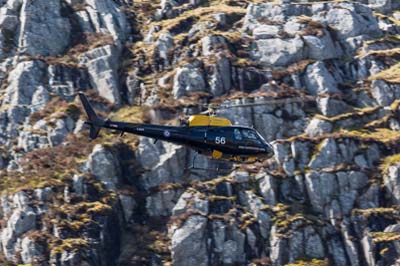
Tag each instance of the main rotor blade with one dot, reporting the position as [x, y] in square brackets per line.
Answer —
[268, 102]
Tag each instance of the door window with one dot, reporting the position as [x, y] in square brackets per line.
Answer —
[237, 134]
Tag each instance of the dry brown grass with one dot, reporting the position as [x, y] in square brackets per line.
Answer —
[391, 19]
[391, 75]
[381, 53]
[356, 114]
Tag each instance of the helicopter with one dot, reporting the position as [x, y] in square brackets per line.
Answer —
[209, 135]
[212, 136]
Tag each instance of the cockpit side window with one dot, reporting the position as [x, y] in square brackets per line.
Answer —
[237, 134]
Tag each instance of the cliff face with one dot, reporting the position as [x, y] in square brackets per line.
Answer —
[329, 197]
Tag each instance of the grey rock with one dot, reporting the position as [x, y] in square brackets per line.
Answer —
[128, 204]
[268, 188]
[77, 185]
[210, 43]
[328, 155]
[279, 249]
[221, 19]
[219, 235]
[314, 247]
[233, 249]
[150, 35]
[348, 149]
[350, 20]
[220, 79]
[44, 194]
[35, 39]
[251, 239]
[301, 153]
[318, 127]
[190, 202]
[161, 203]
[321, 187]
[319, 81]
[350, 245]
[70, 258]
[392, 183]
[30, 250]
[332, 107]
[352, 180]
[6, 206]
[104, 166]
[23, 82]
[40, 98]
[333, 212]
[276, 13]
[29, 141]
[368, 248]
[293, 26]
[8, 20]
[134, 89]
[79, 127]
[382, 93]
[20, 200]
[384, 6]
[289, 167]
[164, 45]
[250, 200]
[148, 152]
[281, 151]
[370, 199]
[347, 201]
[189, 243]
[269, 126]
[338, 253]
[278, 52]
[241, 176]
[266, 32]
[295, 242]
[13, 5]
[13, 166]
[167, 162]
[200, 28]
[105, 16]
[22, 221]
[57, 135]
[188, 79]
[321, 48]
[361, 162]
[102, 64]
[392, 228]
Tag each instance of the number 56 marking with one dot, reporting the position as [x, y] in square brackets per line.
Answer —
[220, 140]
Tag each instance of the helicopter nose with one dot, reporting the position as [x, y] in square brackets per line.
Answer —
[269, 150]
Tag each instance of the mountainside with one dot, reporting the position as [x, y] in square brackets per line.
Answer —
[330, 196]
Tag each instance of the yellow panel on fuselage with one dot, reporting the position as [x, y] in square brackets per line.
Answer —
[205, 120]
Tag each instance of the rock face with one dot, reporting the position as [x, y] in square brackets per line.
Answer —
[317, 79]
[188, 80]
[102, 64]
[34, 39]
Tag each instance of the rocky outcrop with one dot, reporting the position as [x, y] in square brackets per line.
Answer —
[329, 195]
[187, 80]
[102, 64]
[34, 39]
